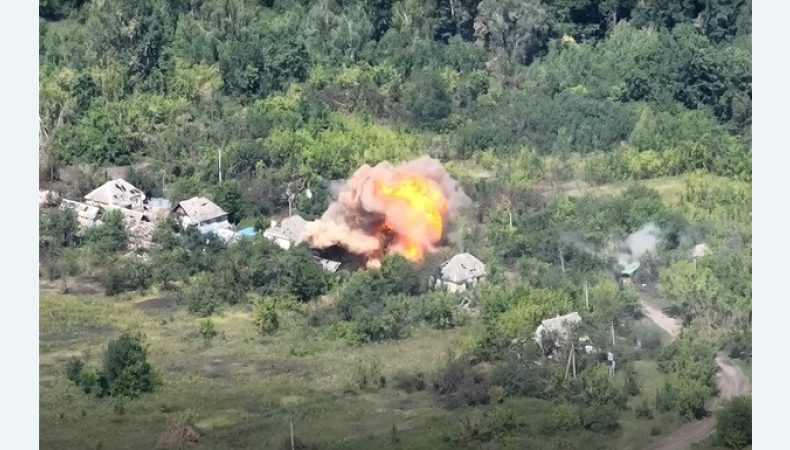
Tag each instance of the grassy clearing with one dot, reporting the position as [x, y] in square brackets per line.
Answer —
[241, 389]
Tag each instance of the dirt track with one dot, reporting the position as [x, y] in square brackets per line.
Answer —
[731, 380]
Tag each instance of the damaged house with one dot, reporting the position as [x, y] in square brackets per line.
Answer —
[87, 215]
[117, 193]
[203, 213]
[289, 232]
[460, 272]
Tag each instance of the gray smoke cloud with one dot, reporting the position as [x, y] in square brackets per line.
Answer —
[638, 244]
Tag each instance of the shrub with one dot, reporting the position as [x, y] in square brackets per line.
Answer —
[125, 370]
[435, 310]
[201, 297]
[666, 398]
[647, 336]
[74, 369]
[265, 316]
[207, 329]
[459, 384]
[125, 275]
[643, 410]
[409, 382]
[734, 428]
[366, 375]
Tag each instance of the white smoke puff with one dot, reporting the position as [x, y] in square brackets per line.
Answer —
[639, 243]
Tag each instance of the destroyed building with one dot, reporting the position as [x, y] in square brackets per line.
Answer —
[460, 272]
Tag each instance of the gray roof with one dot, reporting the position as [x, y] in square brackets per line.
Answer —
[630, 269]
[700, 250]
[201, 209]
[462, 267]
[86, 214]
[118, 192]
[291, 228]
[558, 324]
[328, 264]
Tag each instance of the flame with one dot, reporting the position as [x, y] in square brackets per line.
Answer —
[417, 209]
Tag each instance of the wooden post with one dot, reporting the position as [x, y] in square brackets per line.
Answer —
[586, 296]
[562, 260]
[219, 152]
[291, 421]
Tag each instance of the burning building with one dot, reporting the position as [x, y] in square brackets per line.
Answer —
[385, 209]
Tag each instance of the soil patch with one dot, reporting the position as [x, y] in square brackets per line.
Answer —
[157, 304]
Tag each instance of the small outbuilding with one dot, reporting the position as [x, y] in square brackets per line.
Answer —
[461, 272]
[627, 274]
[203, 213]
[289, 232]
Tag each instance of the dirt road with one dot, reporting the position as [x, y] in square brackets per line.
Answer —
[731, 380]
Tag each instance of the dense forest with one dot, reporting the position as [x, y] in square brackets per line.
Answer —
[571, 124]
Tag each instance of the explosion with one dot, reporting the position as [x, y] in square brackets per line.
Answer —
[385, 208]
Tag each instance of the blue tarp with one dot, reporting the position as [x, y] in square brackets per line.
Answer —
[247, 232]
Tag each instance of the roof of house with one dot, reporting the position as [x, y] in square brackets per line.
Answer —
[118, 192]
[462, 267]
[291, 228]
[246, 232]
[83, 211]
[558, 324]
[328, 264]
[201, 209]
[629, 269]
[700, 250]
[132, 215]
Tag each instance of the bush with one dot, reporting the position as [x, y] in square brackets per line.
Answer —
[460, 385]
[201, 297]
[125, 275]
[125, 370]
[207, 329]
[265, 316]
[435, 310]
[734, 428]
[409, 382]
[666, 398]
[643, 410]
[648, 336]
[366, 375]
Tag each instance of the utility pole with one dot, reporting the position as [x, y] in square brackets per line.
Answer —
[562, 260]
[612, 334]
[219, 153]
[586, 296]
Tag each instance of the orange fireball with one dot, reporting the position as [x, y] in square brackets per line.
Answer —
[416, 211]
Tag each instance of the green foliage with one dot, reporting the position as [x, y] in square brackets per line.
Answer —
[110, 237]
[427, 98]
[127, 274]
[265, 315]
[207, 329]
[58, 228]
[734, 419]
[202, 295]
[366, 375]
[125, 368]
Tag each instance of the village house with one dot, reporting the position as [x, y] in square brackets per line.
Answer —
[627, 274]
[203, 213]
[87, 215]
[558, 326]
[117, 193]
[289, 232]
[328, 265]
[461, 272]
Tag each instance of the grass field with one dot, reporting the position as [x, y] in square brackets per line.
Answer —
[242, 389]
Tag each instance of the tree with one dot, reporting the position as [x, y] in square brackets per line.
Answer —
[58, 228]
[301, 274]
[694, 290]
[519, 28]
[125, 369]
[734, 428]
[67, 265]
[265, 315]
[109, 237]
[427, 98]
